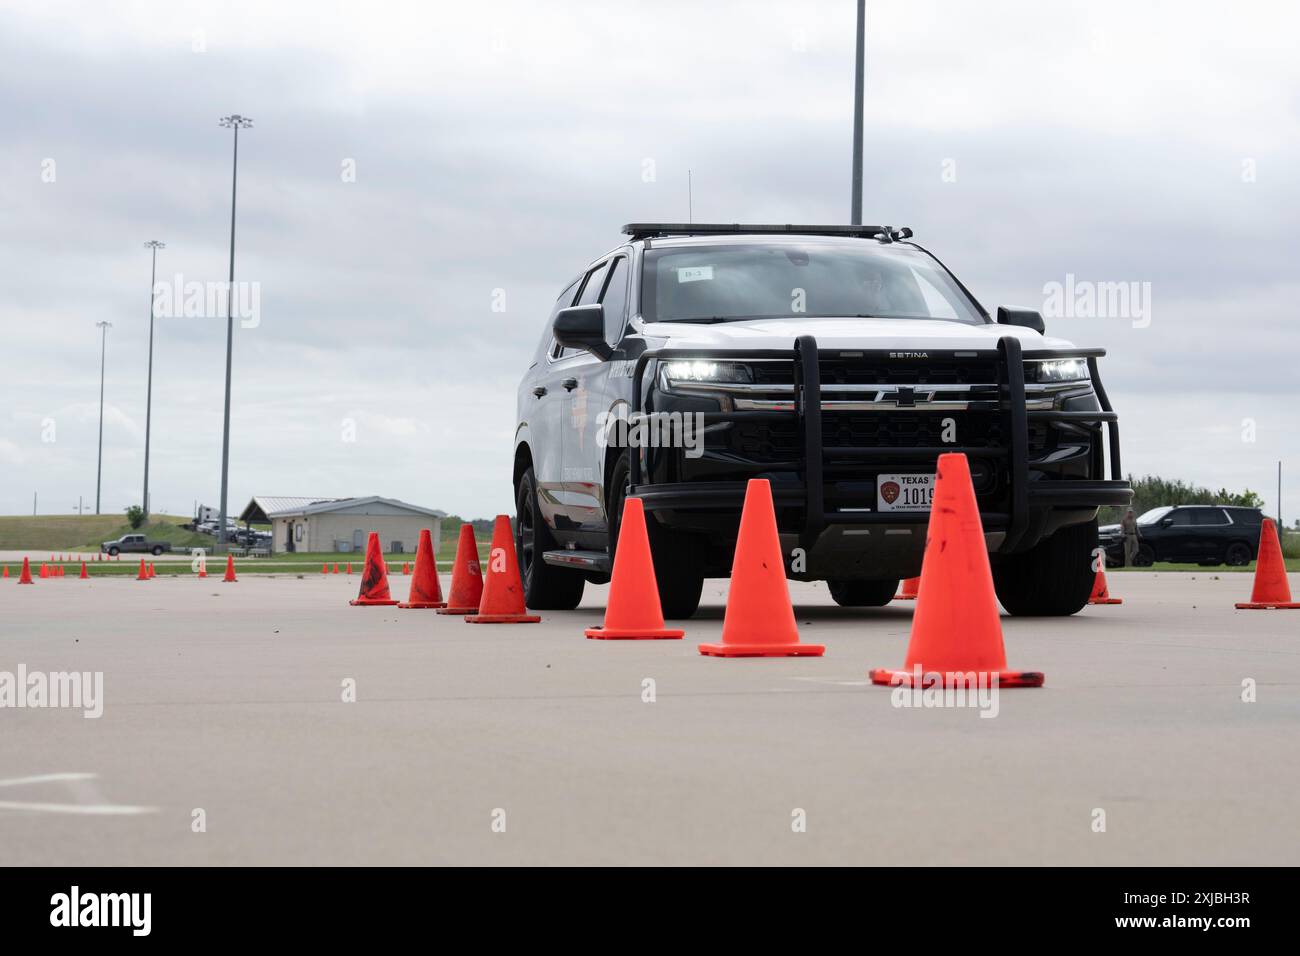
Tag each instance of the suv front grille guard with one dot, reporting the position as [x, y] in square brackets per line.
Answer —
[805, 358]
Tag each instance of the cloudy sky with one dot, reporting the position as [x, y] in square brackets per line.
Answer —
[408, 160]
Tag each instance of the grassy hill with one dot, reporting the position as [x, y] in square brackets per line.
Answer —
[69, 532]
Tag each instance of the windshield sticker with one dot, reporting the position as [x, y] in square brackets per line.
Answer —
[695, 274]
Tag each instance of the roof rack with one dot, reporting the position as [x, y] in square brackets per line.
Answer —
[652, 230]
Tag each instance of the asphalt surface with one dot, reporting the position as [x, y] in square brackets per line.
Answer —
[228, 699]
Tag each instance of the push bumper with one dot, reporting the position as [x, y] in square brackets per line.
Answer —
[1031, 500]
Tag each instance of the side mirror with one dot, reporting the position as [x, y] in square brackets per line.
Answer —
[1166, 522]
[582, 327]
[1025, 318]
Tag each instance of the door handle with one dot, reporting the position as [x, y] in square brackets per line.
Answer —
[570, 384]
[539, 391]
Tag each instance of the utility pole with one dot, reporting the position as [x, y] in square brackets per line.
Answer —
[154, 245]
[855, 214]
[103, 349]
[236, 122]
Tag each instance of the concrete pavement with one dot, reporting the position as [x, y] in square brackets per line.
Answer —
[229, 699]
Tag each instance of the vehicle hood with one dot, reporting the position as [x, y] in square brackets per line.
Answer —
[1109, 529]
[903, 334]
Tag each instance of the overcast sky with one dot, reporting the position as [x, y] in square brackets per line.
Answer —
[499, 146]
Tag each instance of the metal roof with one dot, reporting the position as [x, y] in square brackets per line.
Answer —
[271, 506]
[268, 507]
[338, 504]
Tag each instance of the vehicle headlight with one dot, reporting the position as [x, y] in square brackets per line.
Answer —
[1057, 370]
[705, 372]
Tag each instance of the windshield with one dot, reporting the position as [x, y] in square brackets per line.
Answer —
[1155, 514]
[721, 283]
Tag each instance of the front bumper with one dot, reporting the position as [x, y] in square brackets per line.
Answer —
[811, 497]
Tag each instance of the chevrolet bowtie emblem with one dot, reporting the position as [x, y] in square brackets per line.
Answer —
[905, 397]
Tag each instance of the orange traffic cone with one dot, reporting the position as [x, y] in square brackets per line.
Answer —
[324, 569]
[84, 575]
[143, 573]
[956, 631]
[1271, 588]
[6, 571]
[203, 565]
[909, 591]
[503, 591]
[466, 576]
[374, 577]
[336, 567]
[230, 570]
[633, 611]
[406, 568]
[349, 567]
[26, 576]
[426, 589]
[1100, 592]
[759, 620]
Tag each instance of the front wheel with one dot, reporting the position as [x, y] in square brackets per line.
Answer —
[112, 552]
[1053, 578]
[862, 593]
[1238, 554]
[679, 573]
[155, 551]
[546, 588]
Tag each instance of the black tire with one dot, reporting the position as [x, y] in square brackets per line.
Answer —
[1144, 557]
[1238, 555]
[113, 552]
[155, 551]
[679, 572]
[862, 593]
[546, 588]
[1053, 578]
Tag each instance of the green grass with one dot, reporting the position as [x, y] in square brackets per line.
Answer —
[301, 564]
[1292, 564]
[69, 532]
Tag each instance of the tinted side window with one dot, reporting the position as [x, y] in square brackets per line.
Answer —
[564, 301]
[1180, 518]
[592, 289]
[615, 301]
[1209, 516]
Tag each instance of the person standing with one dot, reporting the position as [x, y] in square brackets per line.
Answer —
[1128, 524]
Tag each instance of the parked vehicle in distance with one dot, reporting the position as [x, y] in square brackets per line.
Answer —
[132, 543]
[250, 538]
[838, 363]
[1189, 534]
[210, 527]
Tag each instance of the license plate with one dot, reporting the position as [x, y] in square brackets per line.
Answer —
[904, 492]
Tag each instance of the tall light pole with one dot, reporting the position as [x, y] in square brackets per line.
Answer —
[855, 213]
[153, 245]
[103, 349]
[236, 122]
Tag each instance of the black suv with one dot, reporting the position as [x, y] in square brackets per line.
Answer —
[1189, 534]
[836, 361]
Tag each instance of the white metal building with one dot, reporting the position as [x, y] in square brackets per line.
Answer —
[342, 524]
